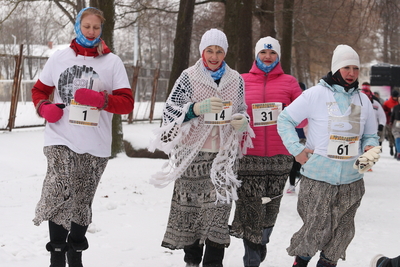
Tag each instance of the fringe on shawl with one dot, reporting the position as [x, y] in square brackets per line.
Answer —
[222, 174]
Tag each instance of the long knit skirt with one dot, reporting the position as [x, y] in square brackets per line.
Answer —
[261, 177]
[69, 187]
[194, 214]
[328, 213]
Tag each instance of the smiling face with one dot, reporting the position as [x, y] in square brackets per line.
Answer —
[350, 73]
[91, 26]
[213, 56]
[268, 56]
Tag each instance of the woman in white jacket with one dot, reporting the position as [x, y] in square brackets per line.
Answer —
[341, 127]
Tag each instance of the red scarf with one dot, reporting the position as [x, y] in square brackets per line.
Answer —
[88, 52]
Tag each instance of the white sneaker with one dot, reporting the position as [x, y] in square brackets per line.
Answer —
[291, 190]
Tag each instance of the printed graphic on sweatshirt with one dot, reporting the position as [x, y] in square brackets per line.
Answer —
[75, 78]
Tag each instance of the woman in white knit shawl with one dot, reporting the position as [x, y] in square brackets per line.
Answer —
[204, 131]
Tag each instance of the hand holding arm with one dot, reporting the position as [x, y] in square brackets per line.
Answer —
[302, 158]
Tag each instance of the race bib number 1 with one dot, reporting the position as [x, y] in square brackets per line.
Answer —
[221, 118]
[266, 114]
[83, 115]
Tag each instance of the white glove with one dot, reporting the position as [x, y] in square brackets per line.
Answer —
[239, 123]
[367, 160]
[209, 105]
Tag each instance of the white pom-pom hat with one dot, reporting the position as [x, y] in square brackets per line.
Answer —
[213, 37]
[267, 43]
[343, 56]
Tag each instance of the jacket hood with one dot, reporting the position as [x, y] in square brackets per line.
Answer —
[338, 88]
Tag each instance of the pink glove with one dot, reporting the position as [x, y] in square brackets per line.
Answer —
[51, 112]
[91, 98]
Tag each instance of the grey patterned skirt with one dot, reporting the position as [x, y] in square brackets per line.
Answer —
[328, 213]
[194, 215]
[69, 187]
[261, 177]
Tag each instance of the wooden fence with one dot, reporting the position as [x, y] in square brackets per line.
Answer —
[149, 88]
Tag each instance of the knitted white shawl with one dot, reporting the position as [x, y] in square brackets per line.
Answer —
[182, 141]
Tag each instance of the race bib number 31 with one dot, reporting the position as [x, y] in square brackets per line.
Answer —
[266, 114]
[83, 115]
[221, 118]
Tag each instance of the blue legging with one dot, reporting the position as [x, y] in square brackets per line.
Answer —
[397, 142]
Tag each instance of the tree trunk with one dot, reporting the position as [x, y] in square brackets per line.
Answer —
[108, 8]
[237, 25]
[182, 41]
[287, 36]
[266, 16]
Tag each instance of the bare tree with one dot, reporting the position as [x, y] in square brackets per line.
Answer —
[264, 11]
[238, 21]
[182, 40]
[287, 36]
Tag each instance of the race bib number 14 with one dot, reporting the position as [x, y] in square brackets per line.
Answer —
[221, 118]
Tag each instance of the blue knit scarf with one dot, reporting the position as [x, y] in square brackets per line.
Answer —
[80, 38]
[217, 74]
[264, 67]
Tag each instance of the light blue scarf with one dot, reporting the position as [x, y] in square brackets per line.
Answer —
[264, 67]
[216, 75]
[80, 38]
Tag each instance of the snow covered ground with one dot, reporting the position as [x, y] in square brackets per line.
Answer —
[130, 215]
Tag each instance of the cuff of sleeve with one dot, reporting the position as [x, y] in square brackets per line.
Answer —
[296, 149]
[190, 114]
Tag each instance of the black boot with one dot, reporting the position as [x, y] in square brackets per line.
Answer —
[57, 253]
[325, 262]
[299, 262]
[391, 151]
[74, 253]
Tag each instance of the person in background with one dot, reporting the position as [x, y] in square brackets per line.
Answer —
[379, 113]
[265, 168]
[295, 171]
[395, 123]
[367, 85]
[204, 129]
[342, 144]
[89, 85]
[383, 261]
[378, 96]
[387, 107]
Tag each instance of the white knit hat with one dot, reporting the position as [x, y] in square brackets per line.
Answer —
[343, 56]
[213, 37]
[268, 43]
